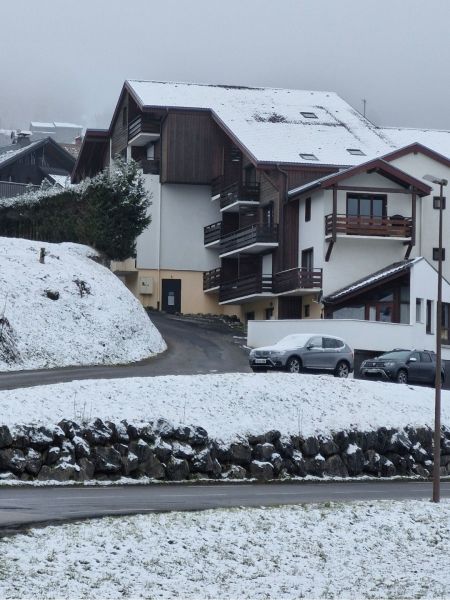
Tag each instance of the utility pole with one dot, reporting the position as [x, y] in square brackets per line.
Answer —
[364, 101]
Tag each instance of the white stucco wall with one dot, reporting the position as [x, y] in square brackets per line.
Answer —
[174, 238]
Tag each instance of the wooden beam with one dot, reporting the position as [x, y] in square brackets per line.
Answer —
[413, 218]
[329, 250]
[375, 190]
[408, 251]
[333, 232]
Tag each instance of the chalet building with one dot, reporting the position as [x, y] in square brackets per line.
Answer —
[25, 164]
[267, 201]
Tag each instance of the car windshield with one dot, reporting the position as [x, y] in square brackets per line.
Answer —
[295, 340]
[396, 355]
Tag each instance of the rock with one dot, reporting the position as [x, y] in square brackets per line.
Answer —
[240, 453]
[21, 438]
[372, 464]
[335, 467]
[132, 431]
[97, 433]
[5, 437]
[142, 450]
[164, 429]
[419, 454]
[400, 443]
[53, 455]
[263, 471]
[177, 469]
[277, 463]
[122, 433]
[341, 440]
[327, 447]
[33, 461]
[387, 467]
[221, 451]
[298, 463]
[182, 433]
[154, 468]
[12, 459]
[445, 460]
[106, 460]
[81, 447]
[315, 466]
[52, 294]
[445, 446]
[8, 476]
[112, 427]
[425, 438]
[70, 428]
[202, 462]
[130, 464]
[163, 450]
[198, 437]
[61, 471]
[354, 460]
[402, 464]
[58, 435]
[384, 437]
[310, 446]
[68, 452]
[272, 436]
[122, 449]
[285, 448]
[183, 451]
[235, 472]
[217, 468]
[263, 452]
[256, 439]
[148, 435]
[87, 469]
[421, 471]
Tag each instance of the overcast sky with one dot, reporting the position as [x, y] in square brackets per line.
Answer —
[66, 61]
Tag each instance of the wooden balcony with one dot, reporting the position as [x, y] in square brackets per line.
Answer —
[237, 195]
[390, 227]
[149, 166]
[255, 239]
[142, 130]
[296, 281]
[211, 280]
[245, 288]
[212, 233]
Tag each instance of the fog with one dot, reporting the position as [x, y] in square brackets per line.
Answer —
[66, 61]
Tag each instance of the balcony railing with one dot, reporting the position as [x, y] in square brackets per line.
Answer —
[142, 124]
[295, 279]
[211, 279]
[150, 166]
[252, 285]
[254, 235]
[211, 233]
[395, 226]
[246, 192]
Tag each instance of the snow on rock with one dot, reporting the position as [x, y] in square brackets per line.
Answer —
[357, 550]
[69, 310]
[231, 405]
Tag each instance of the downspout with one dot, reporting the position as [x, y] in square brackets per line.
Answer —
[158, 301]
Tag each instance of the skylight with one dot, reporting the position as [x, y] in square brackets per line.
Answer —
[355, 152]
[309, 115]
[308, 157]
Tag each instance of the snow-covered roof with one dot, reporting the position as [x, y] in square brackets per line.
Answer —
[11, 151]
[62, 180]
[277, 125]
[437, 140]
[378, 276]
[68, 125]
[42, 125]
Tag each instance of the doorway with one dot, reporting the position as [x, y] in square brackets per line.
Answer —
[171, 295]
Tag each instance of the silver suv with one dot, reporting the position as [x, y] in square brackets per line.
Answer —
[305, 351]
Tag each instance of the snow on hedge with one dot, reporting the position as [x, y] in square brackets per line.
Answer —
[358, 550]
[230, 405]
[70, 310]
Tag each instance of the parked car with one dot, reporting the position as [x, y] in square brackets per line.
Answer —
[403, 366]
[297, 352]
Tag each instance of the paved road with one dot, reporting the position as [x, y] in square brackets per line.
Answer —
[194, 346]
[24, 506]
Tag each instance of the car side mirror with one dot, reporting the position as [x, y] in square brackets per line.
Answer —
[412, 359]
[309, 346]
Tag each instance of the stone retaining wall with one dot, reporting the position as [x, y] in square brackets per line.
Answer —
[108, 451]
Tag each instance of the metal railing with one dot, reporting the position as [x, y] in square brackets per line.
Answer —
[212, 233]
[245, 192]
[298, 278]
[394, 226]
[211, 279]
[245, 286]
[253, 234]
[9, 189]
[149, 166]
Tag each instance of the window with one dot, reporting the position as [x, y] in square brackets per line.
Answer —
[315, 342]
[269, 313]
[437, 202]
[425, 357]
[332, 343]
[309, 115]
[308, 157]
[308, 209]
[350, 312]
[429, 328]
[436, 253]
[355, 152]
[445, 328]
[366, 205]
[419, 303]
[306, 311]
[308, 259]
[235, 154]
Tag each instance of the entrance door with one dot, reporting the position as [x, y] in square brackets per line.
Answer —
[171, 295]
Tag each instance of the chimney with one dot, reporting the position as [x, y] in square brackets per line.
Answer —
[22, 138]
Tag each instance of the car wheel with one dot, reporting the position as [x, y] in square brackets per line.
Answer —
[294, 365]
[342, 370]
[402, 376]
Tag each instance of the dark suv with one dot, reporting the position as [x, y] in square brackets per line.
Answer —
[403, 366]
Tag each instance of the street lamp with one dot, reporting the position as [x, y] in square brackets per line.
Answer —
[438, 381]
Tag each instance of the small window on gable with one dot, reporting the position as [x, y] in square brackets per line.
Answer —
[309, 115]
[355, 152]
[308, 209]
[436, 253]
[437, 202]
[308, 157]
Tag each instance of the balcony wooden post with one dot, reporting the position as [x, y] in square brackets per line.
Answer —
[413, 224]
[333, 226]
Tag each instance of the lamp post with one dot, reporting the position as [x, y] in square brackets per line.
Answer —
[438, 380]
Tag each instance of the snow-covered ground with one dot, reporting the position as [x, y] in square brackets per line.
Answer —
[230, 405]
[92, 318]
[359, 550]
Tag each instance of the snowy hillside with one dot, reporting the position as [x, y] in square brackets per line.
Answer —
[69, 310]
